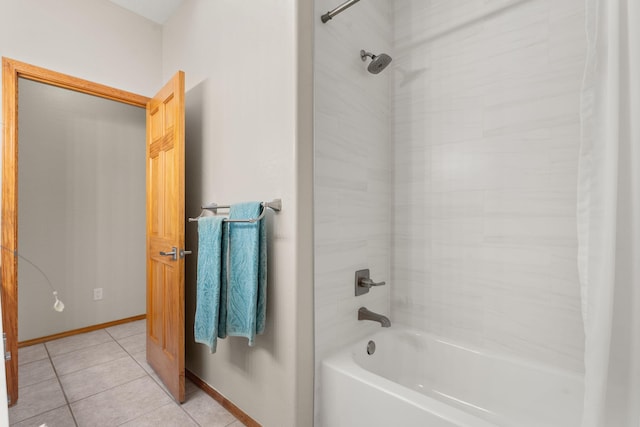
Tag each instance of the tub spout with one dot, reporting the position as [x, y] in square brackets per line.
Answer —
[365, 314]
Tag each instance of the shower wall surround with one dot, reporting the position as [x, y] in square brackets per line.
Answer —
[352, 172]
[486, 137]
[472, 134]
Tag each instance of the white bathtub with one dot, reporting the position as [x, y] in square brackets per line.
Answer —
[421, 380]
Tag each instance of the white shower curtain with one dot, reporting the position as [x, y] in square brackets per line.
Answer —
[609, 214]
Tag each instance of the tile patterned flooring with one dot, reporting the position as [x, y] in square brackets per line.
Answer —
[101, 378]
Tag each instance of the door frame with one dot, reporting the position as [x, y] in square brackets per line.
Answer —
[12, 71]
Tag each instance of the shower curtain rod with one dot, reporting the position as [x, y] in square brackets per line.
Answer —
[344, 6]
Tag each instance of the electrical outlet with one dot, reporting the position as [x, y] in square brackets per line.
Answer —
[97, 294]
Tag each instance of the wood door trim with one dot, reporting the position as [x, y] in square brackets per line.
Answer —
[79, 331]
[53, 78]
[12, 70]
[223, 401]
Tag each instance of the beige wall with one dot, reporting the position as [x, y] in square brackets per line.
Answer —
[244, 143]
[81, 210]
[92, 39]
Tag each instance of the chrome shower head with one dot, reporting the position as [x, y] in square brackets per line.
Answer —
[378, 62]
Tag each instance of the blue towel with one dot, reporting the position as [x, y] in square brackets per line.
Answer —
[244, 275]
[208, 280]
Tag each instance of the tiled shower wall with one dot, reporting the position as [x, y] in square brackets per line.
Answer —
[486, 137]
[352, 188]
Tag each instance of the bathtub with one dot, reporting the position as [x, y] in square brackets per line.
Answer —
[418, 379]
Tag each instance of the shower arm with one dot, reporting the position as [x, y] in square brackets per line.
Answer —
[344, 6]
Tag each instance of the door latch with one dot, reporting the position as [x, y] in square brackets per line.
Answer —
[7, 354]
[173, 254]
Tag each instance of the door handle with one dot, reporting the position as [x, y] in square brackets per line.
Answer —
[183, 253]
[173, 254]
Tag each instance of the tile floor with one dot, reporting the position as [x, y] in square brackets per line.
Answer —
[101, 378]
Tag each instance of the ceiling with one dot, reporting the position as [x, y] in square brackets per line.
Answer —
[156, 10]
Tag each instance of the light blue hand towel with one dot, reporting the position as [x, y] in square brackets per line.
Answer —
[208, 280]
[244, 275]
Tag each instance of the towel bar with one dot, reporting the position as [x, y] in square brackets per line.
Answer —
[275, 205]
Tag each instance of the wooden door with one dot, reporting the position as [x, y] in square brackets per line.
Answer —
[12, 71]
[165, 235]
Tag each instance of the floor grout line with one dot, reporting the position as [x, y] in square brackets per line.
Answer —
[180, 405]
[107, 389]
[37, 415]
[96, 364]
[78, 349]
[66, 399]
[127, 336]
[41, 380]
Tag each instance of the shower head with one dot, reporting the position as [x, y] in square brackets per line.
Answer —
[378, 62]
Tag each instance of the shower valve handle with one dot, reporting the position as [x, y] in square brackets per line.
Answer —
[367, 283]
[363, 283]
